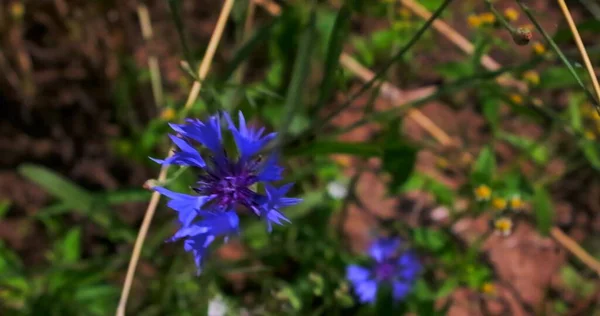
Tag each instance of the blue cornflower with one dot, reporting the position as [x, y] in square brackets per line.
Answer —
[390, 267]
[225, 182]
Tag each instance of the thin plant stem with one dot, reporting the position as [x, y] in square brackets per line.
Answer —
[146, 26]
[150, 210]
[558, 51]
[582, 50]
[393, 60]
[463, 44]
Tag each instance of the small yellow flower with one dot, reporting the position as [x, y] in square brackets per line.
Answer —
[487, 18]
[401, 25]
[17, 10]
[503, 226]
[499, 203]
[538, 48]
[516, 203]
[516, 98]
[404, 12]
[442, 163]
[594, 115]
[483, 193]
[488, 288]
[474, 21]
[511, 14]
[589, 135]
[537, 102]
[532, 77]
[167, 114]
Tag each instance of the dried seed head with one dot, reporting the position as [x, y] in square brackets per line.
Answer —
[522, 36]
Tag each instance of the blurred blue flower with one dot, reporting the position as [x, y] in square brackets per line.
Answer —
[224, 183]
[390, 266]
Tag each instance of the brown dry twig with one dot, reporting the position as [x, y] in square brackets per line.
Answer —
[146, 26]
[150, 210]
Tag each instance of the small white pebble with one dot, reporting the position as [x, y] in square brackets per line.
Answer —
[217, 307]
[337, 190]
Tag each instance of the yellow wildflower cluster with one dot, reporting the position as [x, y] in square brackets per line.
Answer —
[538, 48]
[17, 10]
[516, 203]
[167, 114]
[503, 226]
[483, 193]
[592, 121]
[499, 203]
[511, 14]
[516, 98]
[483, 19]
[488, 288]
[531, 77]
[404, 13]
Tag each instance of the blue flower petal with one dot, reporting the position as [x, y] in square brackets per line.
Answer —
[273, 201]
[366, 291]
[400, 290]
[206, 133]
[356, 273]
[249, 141]
[187, 156]
[382, 249]
[409, 266]
[201, 234]
[270, 170]
[187, 206]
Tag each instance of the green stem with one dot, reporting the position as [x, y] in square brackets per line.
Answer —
[558, 51]
[383, 71]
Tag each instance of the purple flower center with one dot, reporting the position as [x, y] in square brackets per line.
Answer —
[229, 183]
[385, 271]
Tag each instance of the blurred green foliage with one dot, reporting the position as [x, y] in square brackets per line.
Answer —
[299, 269]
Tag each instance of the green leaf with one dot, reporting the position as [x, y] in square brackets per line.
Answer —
[293, 99]
[485, 166]
[62, 188]
[326, 147]
[575, 113]
[70, 247]
[430, 239]
[123, 196]
[455, 70]
[4, 207]
[399, 161]
[538, 152]
[262, 34]
[175, 9]
[559, 77]
[575, 282]
[338, 36]
[443, 194]
[448, 287]
[491, 111]
[543, 210]
[591, 151]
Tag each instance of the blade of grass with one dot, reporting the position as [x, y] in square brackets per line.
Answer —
[258, 37]
[175, 9]
[301, 68]
[399, 55]
[337, 38]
